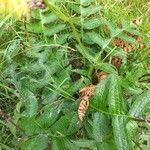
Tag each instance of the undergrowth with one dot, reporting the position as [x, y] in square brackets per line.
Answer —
[45, 60]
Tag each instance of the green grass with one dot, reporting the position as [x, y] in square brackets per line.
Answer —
[47, 59]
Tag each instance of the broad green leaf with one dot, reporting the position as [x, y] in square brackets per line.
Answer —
[91, 23]
[62, 125]
[36, 14]
[69, 145]
[106, 144]
[75, 87]
[29, 125]
[99, 99]
[73, 126]
[106, 67]
[28, 98]
[122, 139]
[48, 117]
[57, 143]
[38, 142]
[132, 128]
[86, 53]
[35, 27]
[115, 100]
[87, 11]
[85, 2]
[84, 143]
[49, 96]
[49, 31]
[30, 102]
[140, 103]
[48, 18]
[61, 39]
[100, 126]
[97, 39]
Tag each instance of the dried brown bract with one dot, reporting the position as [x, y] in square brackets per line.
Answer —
[86, 94]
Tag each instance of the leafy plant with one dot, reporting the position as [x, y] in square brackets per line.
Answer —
[45, 60]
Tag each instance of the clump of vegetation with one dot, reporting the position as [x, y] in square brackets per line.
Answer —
[75, 75]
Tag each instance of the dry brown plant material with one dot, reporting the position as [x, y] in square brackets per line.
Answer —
[86, 94]
[127, 47]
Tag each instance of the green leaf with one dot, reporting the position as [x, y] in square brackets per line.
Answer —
[87, 11]
[101, 127]
[29, 125]
[96, 38]
[106, 67]
[73, 126]
[70, 145]
[121, 136]
[63, 125]
[85, 2]
[127, 38]
[34, 27]
[106, 145]
[141, 102]
[132, 128]
[48, 18]
[91, 23]
[48, 117]
[57, 143]
[86, 53]
[115, 100]
[84, 143]
[53, 29]
[99, 99]
[30, 103]
[39, 142]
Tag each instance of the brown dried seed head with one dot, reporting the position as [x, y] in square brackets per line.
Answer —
[102, 75]
[86, 93]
